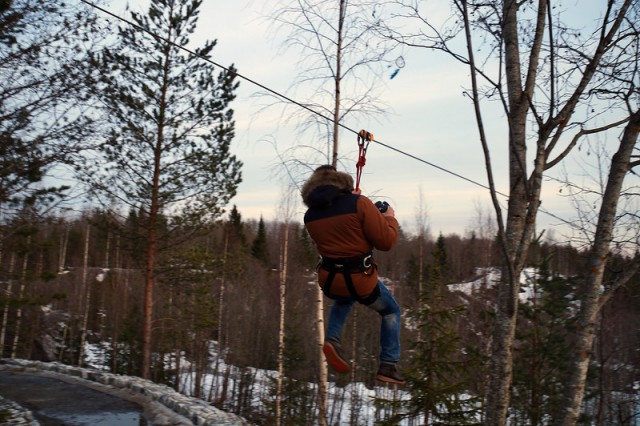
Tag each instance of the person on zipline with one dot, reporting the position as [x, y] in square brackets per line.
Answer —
[346, 227]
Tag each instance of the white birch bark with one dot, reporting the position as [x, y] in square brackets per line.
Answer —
[64, 242]
[284, 252]
[86, 291]
[23, 283]
[322, 385]
[322, 379]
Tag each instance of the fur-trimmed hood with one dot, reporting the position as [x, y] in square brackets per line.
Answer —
[324, 185]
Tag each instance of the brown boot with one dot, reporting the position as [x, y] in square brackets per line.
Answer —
[389, 373]
[333, 353]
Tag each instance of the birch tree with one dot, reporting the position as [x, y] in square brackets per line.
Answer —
[166, 152]
[594, 298]
[540, 71]
[339, 64]
[287, 209]
[21, 292]
[85, 295]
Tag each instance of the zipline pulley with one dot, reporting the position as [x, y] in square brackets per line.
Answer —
[364, 138]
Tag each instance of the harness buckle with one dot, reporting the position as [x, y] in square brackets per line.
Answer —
[367, 261]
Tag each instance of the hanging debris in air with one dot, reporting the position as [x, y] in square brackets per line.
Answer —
[399, 64]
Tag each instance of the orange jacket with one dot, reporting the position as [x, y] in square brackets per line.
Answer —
[346, 225]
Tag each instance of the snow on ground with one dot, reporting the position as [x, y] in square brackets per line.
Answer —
[344, 397]
[263, 383]
[487, 277]
[352, 396]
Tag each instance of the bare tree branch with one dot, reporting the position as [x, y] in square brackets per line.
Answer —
[577, 137]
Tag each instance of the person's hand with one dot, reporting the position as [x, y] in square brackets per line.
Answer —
[389, 212]
[357, 191]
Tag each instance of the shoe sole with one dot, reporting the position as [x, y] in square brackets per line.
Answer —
[335, 361]
[390, 380]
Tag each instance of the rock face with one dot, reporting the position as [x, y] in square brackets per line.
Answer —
[196, 411]
[44, 346]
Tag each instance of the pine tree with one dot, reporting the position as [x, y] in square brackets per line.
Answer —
[307, 253]
[543, 348]
[259, 248]
[235, 224]
[43, 100]
[438, 376]
[167, 148]
[299, 394]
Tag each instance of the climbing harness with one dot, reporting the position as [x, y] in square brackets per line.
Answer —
[364, 138]
[363, 264]
[348, 266]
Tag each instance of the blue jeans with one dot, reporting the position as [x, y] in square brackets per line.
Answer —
[389, 312]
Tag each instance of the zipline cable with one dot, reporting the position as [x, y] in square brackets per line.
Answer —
[301, 105]
[281, 95]
[191, 52]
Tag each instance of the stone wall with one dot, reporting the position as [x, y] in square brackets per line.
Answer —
[12, 413]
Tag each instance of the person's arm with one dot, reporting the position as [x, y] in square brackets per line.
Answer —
[380, 229]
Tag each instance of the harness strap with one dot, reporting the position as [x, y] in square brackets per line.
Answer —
[364, 138]
[364, 300]
[326, 288]
[347, 267]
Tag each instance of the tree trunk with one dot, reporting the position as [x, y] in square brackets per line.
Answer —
[354, 351]
[154, 209]
[8, 293]
[213, 389]
[176, 384]
[86, 288]
[589, 304]
[150, 267]
[322, 380]
[64, 242]
[522, 208]
[221, 334]
[107, 250]
[63, 345]
[284, 252]
[23, 284]
[337, 80]
[198, 365]
[322, 385]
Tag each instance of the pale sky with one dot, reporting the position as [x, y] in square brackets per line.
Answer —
[429, 118]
